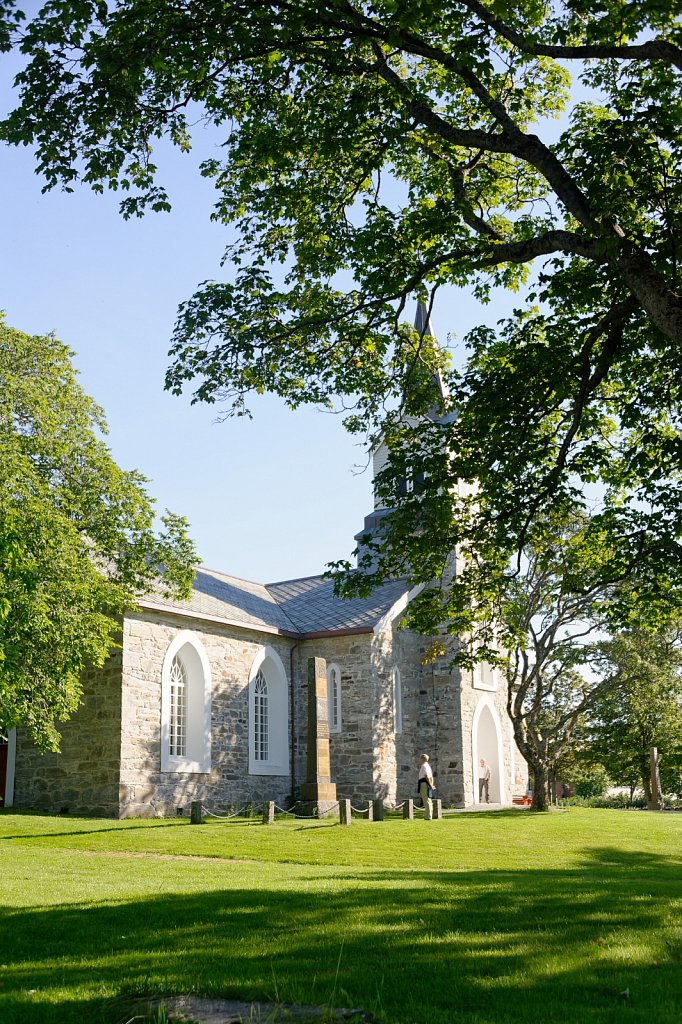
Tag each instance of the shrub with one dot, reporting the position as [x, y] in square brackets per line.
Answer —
[593, 783]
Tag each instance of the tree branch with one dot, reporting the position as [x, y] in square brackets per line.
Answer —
[653, 49]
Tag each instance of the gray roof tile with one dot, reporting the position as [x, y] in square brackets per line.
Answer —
[217, 595]
[301, 606]
[314, 607]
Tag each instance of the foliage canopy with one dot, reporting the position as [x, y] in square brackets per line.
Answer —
[641, 710]
[542, 629]
[382, 150]
[77, 539]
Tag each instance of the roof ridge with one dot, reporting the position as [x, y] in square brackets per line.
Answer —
[229, 576]
[296, 579]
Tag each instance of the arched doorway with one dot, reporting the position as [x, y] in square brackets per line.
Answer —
[487, 743]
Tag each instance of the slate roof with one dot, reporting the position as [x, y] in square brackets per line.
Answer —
[314, 607]
[293, 607]
[218, 596]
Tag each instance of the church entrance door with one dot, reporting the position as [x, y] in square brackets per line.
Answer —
[487, 744]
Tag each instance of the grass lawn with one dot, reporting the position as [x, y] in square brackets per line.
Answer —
[497, 918]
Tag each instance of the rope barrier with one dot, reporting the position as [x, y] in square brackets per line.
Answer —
[226, 817]
[249, 810]
[283, 811]
[305, 817]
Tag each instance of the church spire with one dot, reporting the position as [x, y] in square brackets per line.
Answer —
[422, 321]
[424, 328]
[373, 522]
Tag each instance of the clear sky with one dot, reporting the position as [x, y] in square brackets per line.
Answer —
[272, 498]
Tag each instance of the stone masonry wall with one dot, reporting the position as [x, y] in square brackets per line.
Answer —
[440, 729]
[368, 759]
[111, 750]
[430, 719]
[145, 789]
[84, 777]
[351, 749]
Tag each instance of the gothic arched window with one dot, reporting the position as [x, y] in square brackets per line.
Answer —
[334, 697]
[177, 739]
[186, 706]
[268, 711]
[260, 717]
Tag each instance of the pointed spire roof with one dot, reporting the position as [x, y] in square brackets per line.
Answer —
[422, 321]
[424, 327]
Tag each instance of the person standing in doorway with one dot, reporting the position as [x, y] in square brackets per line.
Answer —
[483, 781]
[426, 785]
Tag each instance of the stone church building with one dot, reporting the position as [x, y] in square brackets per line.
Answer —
[208, 700]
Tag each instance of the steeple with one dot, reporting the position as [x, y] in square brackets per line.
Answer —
[422, 321]
[424, 327]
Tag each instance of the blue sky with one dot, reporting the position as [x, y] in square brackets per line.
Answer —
[271, 498]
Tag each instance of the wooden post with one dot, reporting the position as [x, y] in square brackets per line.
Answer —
[378, 810]
[195, 817]
[345, 814]
[370, 811]
[408, 809]
[269, 812]
[437, 806]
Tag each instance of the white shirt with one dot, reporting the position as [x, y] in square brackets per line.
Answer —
[425, 773]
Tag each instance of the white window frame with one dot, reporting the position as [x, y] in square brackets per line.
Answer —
[479, 680]
[334, 697]
[190, 653]
[177, 717]
[268, 664]
[397, 689]
[260, 717]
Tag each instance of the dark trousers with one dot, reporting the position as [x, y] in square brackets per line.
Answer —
[483, 785]
[426, 800]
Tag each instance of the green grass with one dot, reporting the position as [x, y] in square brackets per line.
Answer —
[497, 918]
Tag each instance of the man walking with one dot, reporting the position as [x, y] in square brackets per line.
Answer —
[426, 785]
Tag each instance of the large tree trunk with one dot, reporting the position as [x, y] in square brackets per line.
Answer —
[535, 759]
[648, 766]
[655, 800]
[540, 800]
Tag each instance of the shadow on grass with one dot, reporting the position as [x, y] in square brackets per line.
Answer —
[85, 831]
[592, 944]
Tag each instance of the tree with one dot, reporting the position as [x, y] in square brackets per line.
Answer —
[402, 147]
[378, 151]
[643, 709]
[541, 628]
[77, 544]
